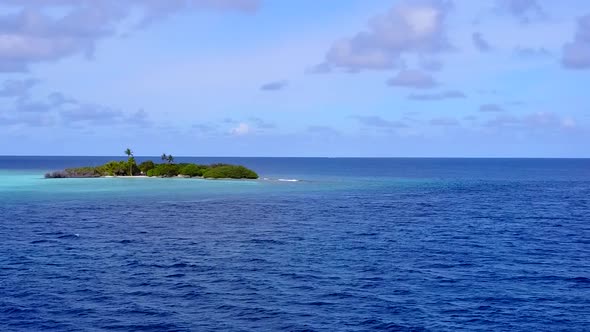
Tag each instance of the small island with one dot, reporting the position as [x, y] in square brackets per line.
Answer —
[149, 168]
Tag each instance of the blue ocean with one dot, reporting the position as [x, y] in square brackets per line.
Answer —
[315, 244]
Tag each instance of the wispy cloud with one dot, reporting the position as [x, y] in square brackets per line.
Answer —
[491, 108]
[524, 10]
[576, 54]
[17, 88]
[204, 128]
[274, 86]
[413, 79]
[322, 130]
[450, 94]
[57, 108]
[430, 64]
[379, 122]
[261, 124]
[445, 122]
[480, 43]
[531, 52]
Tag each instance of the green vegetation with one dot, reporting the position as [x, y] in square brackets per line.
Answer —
[167, 158]
[163, 170]
[192, 170]
[113, 168]
[149, 168]
[130, 161]
[146, 166]
[229, 172]
[84, 171]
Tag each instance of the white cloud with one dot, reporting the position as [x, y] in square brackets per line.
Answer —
[241, 129]
[568, 122]
[533, 121]
[410, 27]
[33, 31]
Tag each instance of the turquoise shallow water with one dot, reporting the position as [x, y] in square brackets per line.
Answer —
[355, 244]
[33, 183]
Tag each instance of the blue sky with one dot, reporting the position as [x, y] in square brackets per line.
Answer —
[439, 78]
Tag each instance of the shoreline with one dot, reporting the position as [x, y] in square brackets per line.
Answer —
[152, 177]
[260, 179]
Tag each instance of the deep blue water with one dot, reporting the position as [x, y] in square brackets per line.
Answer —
[355, 245]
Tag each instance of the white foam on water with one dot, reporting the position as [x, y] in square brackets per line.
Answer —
[288, 180]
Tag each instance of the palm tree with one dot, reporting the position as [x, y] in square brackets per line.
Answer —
[170, 159]
[131, 160]
[164, 157]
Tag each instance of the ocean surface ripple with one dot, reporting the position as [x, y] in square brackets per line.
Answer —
[442, 252]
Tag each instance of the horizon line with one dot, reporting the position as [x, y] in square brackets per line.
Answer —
[309, 157]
